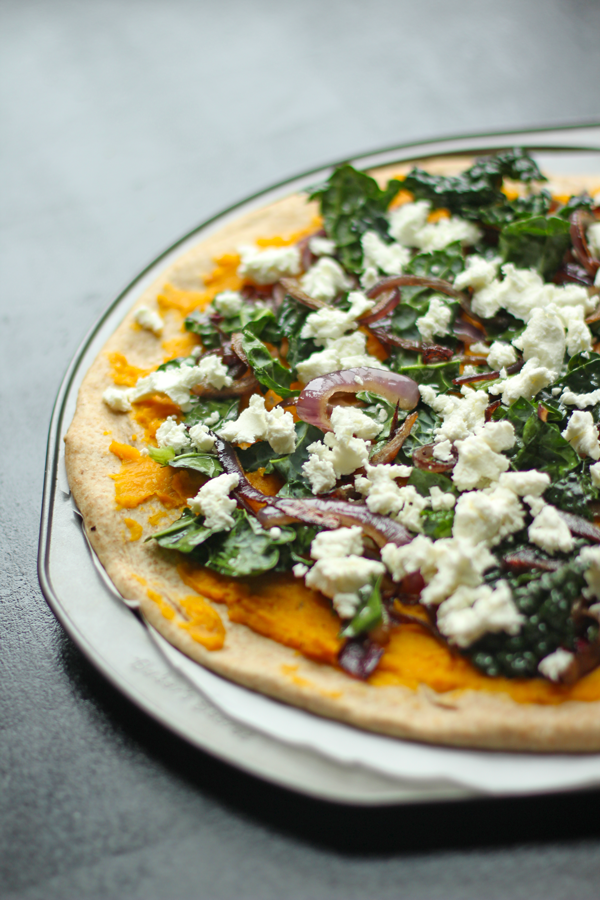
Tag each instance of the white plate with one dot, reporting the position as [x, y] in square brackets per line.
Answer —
[281, 744]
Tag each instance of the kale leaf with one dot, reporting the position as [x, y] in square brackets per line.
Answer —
[185, 534]
[539, 445]
[248, 549]
[351, 204]
[199, 462]
[538, 242]
[203, 410]
[290, 319]
[447, 264]
[289, 468]
[269, 371]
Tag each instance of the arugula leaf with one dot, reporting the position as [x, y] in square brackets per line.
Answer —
[370, 613]
[227, 410]
[539, 242]
[199, 462]
[539, 445]
[184, 535]
[269, 371]
[161, 455]
[351, 204]
[248, 549]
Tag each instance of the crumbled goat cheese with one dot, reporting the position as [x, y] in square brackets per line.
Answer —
[171, 434]
[341, 578]
[321, 246]
[500, 355]
[347, 352]
[328, 324]
[348, 422]
[579, 336]
[338, 542]
[176, 383]
[256, 423]
[488, 516]
[590, 558]
[228, 303]
[478, 273]
[319, 469]
[550, 532]
[593, 239]
[569, 398]
[445, 564]
[333, 458]
[212, 419]
[300, 570]
[527, 383]
[275, 532]
[388, 258]
[472, 612]
[269, 265]
[480, 459]
[409, 226]
[443, 451]
[214, 503]
[461, 416]
[523, 290]
[595, 474]
[441, 499]
[325, 280]
[544, 340]
[597, 279]
[480, 349]
[379, 486]
[436, 320]
[202, 439]
[149, 319]
[582, 434]
[117, 399]
[555, 664]
[407, 221]
[531, 482]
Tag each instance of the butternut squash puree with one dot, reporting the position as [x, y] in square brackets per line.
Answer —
[165, 608]
[172, 298]
[182, 345]
[286, 611]
[122, 372]
[205, 625]
[224, 276]
[151, 413]
[413, 657]
[141, 478]
[268, 484]
[211, 584]
[374, 346]
[135, 529]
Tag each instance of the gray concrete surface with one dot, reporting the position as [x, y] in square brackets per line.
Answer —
[123, 125]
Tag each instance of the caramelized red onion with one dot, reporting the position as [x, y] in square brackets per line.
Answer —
[468, 332]
[360, 657]
[525, 560]
[580, 527]
[389, 452]
[580, 220]
[291, 287]
[243, 385]
[313, 401]
[488, 376]
[423, 458]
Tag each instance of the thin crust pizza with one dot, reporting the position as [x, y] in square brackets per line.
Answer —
[345, 452]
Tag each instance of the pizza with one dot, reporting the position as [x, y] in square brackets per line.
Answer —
[345, 452]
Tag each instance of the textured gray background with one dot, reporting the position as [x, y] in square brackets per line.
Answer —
[125, 124]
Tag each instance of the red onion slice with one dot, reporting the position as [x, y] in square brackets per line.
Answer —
[243, 385]
[468, 332]
[291, 287]
[314, 399]
[389, 452]
[580, 527]
[580, 220]
[423, 458]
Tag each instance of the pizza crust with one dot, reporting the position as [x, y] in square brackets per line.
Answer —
[463, 718]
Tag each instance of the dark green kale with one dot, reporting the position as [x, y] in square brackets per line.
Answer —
[267, 368]
[538, 242]
[436, 523]
[200, 462]
[539, 445]
[422, 433]
[248, 549]
[209, 329]
[573, 492]
[290, 320]
[546, 602]
[352, 203]
[519, 208]
[476, 189]
[370, 612]
[438, 375]
[200, 323]
[187, 533]
[204, 411]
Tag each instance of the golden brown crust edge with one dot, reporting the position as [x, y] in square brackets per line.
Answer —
[465, 718]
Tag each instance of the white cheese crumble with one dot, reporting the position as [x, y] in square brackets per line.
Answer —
[590, 557]
[340, 571]
[213, 502]
[321, 246]
[595, 474]
[480, 459]
[171, 434]
[300, 570]
[530, 482]
[436, 320]
[555, 664]
[582, 434]
[445, 564]
[441, 499]
[201, 438]
[526, 383]
[269, 265]
[149, 319]
[177, 382]
[380, 489]
[387, 258]
[593, 239]
[550, 532]
[325, 280]
[332, 458]
[488, 516]
[543, 339]
[407, 221]
[328, 324]
[472, 612]
[347, 352]
[443, 451]
[228, 303]
[347, 422]
[117, 399]
[256, 423]
[409, 226]
[501, 355]
[569, 398]
[478, 273]
[338, 542]
[461, 415]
